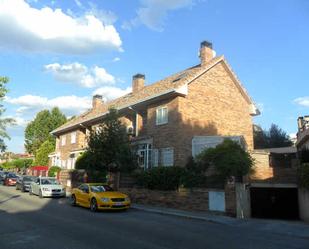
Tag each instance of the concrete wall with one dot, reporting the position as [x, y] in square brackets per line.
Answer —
[303, 201]
[243, 201]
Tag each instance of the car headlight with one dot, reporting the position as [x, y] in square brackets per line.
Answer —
[46, 189]
[127, 199]
[105, 199]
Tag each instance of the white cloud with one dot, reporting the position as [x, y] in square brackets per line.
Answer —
[80, 74]
[70, 105]
[109, 92]
[303, 101]
[25, 27]
[116, 59]
[154, 12]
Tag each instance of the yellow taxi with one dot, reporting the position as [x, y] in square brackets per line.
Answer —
[99, 196]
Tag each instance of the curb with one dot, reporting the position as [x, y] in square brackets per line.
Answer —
[183, 215]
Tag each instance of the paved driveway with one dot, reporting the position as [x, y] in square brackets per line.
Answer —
[33, 223]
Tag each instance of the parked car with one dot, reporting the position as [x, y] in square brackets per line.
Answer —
[23, 183]
[3, 175]
[10, 179]
[47, 187]
[99, 196]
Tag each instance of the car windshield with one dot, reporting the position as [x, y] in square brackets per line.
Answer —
[100, 188]
[27, 178]
[11, 175]
[49, 182]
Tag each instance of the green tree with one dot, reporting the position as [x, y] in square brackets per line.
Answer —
[42, 153]
[22, 163]
[4, 122]
[275, 137]
[38, 130]
[108, 147]
[228, 158]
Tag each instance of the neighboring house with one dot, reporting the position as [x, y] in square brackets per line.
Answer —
[303, 133]
[170, 119]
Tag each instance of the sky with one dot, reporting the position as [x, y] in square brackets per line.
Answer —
[61, 53]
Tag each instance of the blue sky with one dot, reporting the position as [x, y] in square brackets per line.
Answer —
[60, 53]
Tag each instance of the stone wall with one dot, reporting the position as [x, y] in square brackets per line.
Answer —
[184, 199]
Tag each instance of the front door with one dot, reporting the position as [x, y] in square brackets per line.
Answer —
[144, 155]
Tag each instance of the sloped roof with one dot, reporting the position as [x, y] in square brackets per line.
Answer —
[158, 88]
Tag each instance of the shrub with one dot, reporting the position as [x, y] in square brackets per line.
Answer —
[191, 179]
[228, 158]
[84, 161]
[161, 178]
[97, 176]
[52, 172]
[303, 174]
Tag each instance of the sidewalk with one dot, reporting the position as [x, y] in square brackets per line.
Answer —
[288, 228]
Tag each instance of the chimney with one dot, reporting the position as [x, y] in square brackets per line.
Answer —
[97, 101]
[138, 82]
[206, 52]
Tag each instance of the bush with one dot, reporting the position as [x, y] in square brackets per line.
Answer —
[161, 178]
[228, 159]
[84, 161]
[191, 179]
[97, 176]
[52, 172]
[303, 174]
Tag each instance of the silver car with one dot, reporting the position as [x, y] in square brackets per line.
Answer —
[47, 187]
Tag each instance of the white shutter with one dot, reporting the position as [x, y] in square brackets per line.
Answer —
[167, 156]
[155, 156]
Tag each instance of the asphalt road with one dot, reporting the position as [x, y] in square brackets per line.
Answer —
[33, 223]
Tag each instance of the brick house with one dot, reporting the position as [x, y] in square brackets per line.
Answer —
[170, 119]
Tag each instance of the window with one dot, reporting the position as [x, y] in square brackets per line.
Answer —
[73, 137]
[63, 140]
[162, 115]
[167, 156]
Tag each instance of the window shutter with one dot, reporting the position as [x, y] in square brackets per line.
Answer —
[168, 157]
[155, 153]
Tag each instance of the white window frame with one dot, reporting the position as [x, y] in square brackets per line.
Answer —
[73, 137]
[160, 118]
[167, 152]
[63, 140]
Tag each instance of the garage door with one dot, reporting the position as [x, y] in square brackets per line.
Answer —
[274, 203]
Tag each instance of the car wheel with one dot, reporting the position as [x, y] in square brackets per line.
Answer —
[40, 194]
[73, 200]
[93, 205]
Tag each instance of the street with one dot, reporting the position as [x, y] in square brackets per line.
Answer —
[33, 223]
